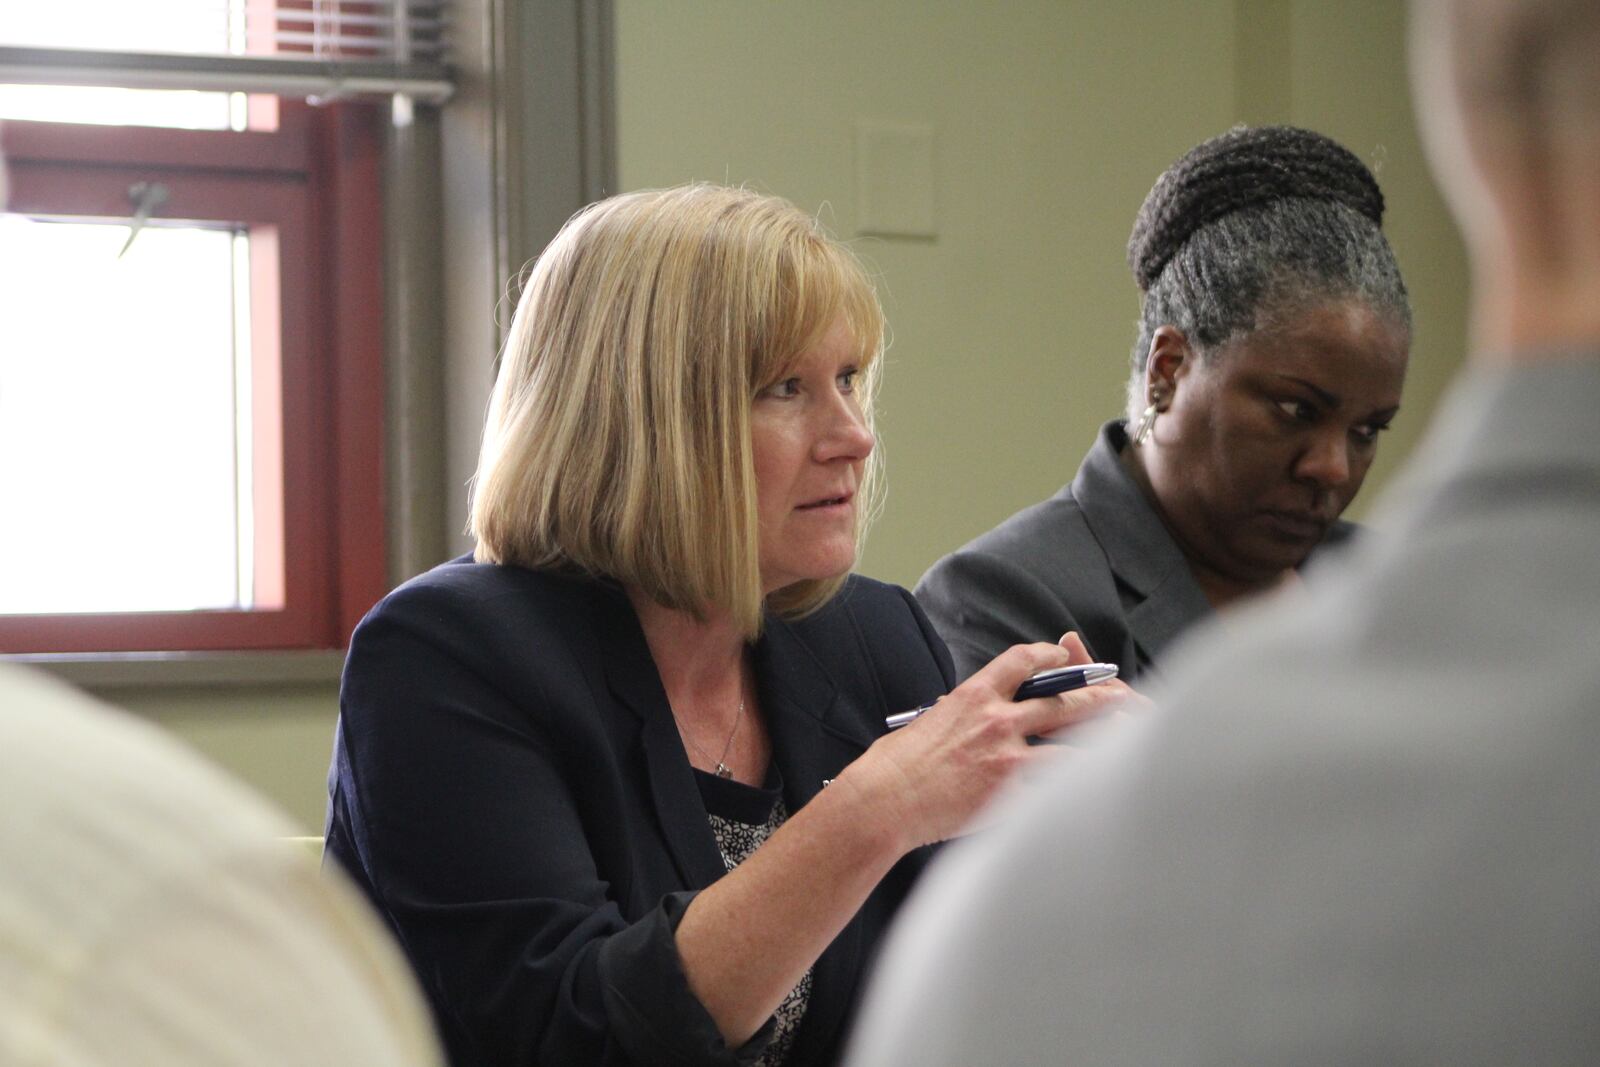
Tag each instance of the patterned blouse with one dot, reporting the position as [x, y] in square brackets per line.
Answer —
[742, 818]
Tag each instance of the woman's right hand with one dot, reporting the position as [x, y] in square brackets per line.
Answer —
[930, 778]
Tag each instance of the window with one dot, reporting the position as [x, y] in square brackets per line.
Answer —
[191, 348]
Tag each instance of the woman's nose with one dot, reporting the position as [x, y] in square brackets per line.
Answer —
[846, 434]
[1326, 461]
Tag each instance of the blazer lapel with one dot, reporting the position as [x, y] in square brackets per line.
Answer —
[631, 676]
[813, 737]
[816, 730]
[1173, 605]
[1138, 547]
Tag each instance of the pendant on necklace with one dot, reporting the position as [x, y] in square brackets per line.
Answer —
[723, 771]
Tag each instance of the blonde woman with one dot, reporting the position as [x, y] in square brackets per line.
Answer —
[583, 772]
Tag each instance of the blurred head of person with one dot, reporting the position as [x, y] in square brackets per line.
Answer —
[1273, 339]
[1508, 94]
[684, 406]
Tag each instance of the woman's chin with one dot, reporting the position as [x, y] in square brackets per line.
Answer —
[835, 565]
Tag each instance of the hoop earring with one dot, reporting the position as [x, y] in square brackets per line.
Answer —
[1147, 422]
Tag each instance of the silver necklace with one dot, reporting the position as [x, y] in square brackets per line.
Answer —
[723, 770]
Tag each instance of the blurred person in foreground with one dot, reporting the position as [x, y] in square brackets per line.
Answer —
[1362, 827]
[153, 912]
[1274, 332]
[622, 781]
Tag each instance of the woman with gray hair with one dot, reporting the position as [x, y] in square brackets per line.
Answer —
[1271, 352]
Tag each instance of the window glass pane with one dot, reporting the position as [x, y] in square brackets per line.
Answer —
[124, 418]
[214, 27]
[190, 26]
[180, 109]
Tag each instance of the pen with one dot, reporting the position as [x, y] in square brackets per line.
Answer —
[1043, 684]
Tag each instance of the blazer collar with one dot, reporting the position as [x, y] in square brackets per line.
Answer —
[1137, 546]
[802, 706]
[631, 675]
[1504, 429]
[813, 737]
[791, 679]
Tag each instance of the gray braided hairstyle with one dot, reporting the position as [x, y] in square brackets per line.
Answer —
[1252, 227]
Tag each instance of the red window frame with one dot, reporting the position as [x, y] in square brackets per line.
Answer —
[315, 183]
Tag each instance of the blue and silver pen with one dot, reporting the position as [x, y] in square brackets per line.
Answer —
[1043, 684]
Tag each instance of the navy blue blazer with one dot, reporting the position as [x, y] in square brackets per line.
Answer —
[509, 788]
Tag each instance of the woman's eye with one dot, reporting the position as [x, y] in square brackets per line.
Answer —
[1368, 432]
[847, 380]
[1298, 410]
[789, 387]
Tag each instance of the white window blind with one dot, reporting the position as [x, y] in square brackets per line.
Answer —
[313, 48]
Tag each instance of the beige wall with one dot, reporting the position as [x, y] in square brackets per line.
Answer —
[1011, 326]
[1052, 118]
[275, 737]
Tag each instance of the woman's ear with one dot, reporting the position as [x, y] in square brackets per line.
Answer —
[1169, 359]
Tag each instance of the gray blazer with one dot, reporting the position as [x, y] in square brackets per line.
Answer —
[1094, 558]
[1359, 829]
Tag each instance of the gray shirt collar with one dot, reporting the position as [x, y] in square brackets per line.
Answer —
[1499, 425]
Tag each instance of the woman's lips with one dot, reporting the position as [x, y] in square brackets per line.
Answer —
[839, 501]
[1299, 525]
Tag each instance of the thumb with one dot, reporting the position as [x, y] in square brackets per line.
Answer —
[1076, 650]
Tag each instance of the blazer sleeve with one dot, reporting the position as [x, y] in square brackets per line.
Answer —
[453, 804]
[930, 635]
[982, 603]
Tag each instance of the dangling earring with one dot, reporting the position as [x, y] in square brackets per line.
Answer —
[1147, 421]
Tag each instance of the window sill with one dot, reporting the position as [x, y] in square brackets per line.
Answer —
[107, 670]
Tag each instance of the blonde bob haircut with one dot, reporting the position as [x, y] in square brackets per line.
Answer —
[618, 437]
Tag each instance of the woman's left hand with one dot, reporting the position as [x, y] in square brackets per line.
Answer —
[926, 781]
